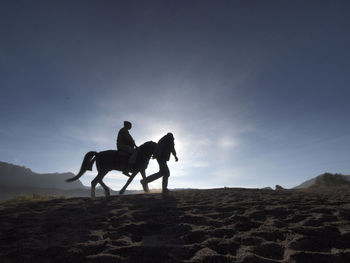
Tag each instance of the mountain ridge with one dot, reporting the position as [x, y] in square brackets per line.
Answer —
[312, 181]
[16, 180]
[15, 175]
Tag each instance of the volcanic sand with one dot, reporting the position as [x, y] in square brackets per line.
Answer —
[217, 225]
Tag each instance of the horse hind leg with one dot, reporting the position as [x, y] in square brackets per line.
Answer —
[93, 186]
[105, 187]
[98, 179]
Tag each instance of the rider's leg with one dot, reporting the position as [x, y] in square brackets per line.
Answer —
[132, 159]
[131, 151]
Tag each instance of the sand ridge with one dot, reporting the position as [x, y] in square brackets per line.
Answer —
[217, 225]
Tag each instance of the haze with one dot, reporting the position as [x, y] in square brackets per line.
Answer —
[255, 92]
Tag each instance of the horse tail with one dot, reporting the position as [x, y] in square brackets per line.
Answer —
[87, 164]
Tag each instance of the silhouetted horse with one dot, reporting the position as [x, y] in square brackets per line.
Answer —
[114, 160]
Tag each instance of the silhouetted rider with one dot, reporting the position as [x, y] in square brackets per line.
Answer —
[162, 152]
[126, 143]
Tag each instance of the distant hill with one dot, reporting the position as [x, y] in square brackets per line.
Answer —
[326, 179]
[15, 175]
[17, 180]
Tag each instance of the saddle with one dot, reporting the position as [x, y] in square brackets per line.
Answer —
[121, 153]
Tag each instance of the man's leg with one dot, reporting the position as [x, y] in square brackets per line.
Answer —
[165, 184]
[166, 174]
[155, 176]
[152, 177]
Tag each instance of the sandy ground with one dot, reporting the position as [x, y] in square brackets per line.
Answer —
[218, 225]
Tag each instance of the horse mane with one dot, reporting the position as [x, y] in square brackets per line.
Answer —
[147, 145]
[145, 152]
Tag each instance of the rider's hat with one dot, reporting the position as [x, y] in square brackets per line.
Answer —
[127, 123]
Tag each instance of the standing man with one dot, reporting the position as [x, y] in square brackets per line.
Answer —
[164, 147]
[126, 143]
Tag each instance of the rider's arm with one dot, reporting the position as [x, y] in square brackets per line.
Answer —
[130, 139]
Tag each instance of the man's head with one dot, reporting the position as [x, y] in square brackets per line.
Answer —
[127, 125]
[170, 135]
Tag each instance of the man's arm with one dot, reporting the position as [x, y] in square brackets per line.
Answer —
[130, 139]
[174, 152]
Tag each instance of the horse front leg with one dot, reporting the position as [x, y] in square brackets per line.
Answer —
[144, 185]
[128, 182]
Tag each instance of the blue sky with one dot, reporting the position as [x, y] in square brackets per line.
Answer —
[255, 92]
